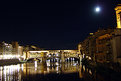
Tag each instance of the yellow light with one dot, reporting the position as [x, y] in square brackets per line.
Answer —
[38, 51]
[10, 56]
[118, 16]
[91, 33]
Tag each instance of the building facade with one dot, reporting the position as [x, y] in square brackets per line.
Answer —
[105, 44]
[10, 51]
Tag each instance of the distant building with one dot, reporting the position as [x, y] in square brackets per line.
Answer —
[10, 51]
[20, 52]
[1, 50]
[15, 46]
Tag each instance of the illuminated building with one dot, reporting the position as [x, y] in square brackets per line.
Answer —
[53, 55]
[28, 48]
[15, 47]
[20, 52]
[10, 51]
[116, 40]
[1, 50]
[6, 51]
[93, 46]
[104, 48]
[118, 15]
[105, 44]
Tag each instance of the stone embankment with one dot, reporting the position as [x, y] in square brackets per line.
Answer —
[9, 61]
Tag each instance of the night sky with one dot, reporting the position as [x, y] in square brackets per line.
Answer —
[54, 24]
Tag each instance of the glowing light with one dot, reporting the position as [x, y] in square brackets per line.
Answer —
[22, 67]
[118, 16]
[48, 63]
[57, 63]
[97, 9]
[38, 51]
[10, 56]
[35, 64]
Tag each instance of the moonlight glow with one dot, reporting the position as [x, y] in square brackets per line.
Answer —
[97, 9]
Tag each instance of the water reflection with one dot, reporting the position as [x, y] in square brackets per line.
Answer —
[21, 71]
[43, 71]
[9, 73]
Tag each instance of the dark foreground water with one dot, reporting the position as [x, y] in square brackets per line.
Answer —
[36, 71]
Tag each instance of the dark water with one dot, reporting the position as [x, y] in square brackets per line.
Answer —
[36, 71]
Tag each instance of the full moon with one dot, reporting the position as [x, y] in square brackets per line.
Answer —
[97, 9]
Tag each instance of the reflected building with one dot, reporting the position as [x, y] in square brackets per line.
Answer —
[40, 68]
[10, 73]
[21, 72]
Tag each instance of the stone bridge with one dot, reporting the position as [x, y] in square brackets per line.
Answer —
[53, 55]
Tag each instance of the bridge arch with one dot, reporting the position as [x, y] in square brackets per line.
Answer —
[34, 59]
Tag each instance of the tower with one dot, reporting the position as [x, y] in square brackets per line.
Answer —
[116, 39]
[15, 47]
[118, 15]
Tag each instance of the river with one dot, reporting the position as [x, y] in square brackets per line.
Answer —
[37, 71]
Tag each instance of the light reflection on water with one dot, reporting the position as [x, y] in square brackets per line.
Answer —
[37, 71]
[8, 73]
[20, 71]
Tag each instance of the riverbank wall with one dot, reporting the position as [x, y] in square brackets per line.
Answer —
[9, 61]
